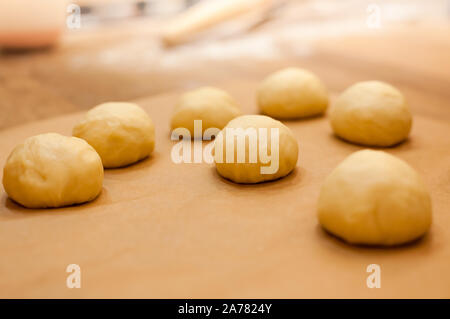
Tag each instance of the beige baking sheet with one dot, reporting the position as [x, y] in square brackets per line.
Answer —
[162, 230]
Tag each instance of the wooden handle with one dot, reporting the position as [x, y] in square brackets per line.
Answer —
[205, 15]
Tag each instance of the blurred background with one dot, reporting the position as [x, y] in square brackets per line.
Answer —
[61, 56]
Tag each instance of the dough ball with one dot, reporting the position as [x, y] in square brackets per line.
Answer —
[292, 93]
[52, 170]
[214, 107]
[121, 133]
[264, 155]
[371, 113]
[374, 198]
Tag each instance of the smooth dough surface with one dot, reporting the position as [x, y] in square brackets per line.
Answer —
[52, 170]
[371, 113]
[292, 93]
[121, 133]
[374, 198]
[214, 107]
[251, 172]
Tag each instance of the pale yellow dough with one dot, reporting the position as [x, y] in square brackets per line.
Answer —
[374, 198]
[371, 113]
[214, 107]
[292, 93]
[52, 170]
[121, 133]
[248, 172]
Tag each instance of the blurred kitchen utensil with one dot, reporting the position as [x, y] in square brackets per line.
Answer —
[206, 14]
[31, 23]
[100, 11]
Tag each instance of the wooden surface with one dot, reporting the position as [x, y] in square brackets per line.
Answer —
[115, 64]
[162, 230]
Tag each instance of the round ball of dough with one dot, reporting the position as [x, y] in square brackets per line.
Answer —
[292, 93]
[371, 113]
[374, 198]
[121, 133]
[214, 107]
[255, 148]
[52, 170]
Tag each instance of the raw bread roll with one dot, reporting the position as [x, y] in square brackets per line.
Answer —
[214, 107]
[283, 151]
[374, 198]
[371, 113]
[52, 170]
[121, 133]
[292, 93]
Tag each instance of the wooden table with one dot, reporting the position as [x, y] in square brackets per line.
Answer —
[123, 63]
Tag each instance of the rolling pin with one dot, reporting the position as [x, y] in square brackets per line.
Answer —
[206, 14]
[27, 24]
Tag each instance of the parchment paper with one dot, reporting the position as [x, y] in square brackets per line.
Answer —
[163, 230]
